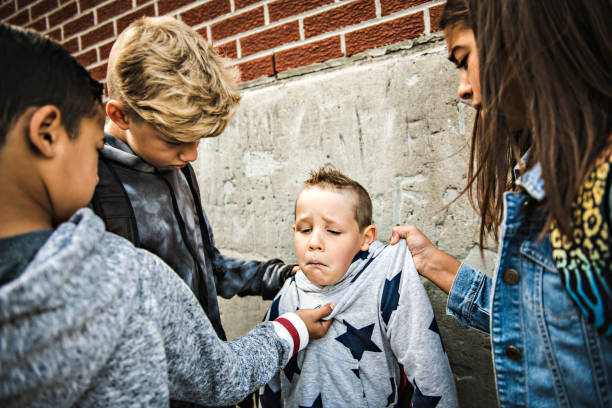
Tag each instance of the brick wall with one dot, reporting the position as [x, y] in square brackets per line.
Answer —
[261, 37]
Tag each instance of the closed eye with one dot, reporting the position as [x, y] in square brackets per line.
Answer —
[463, 63]
[334, 232]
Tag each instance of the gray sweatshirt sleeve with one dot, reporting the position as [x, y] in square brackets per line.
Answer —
[414, 336]
[201, 367]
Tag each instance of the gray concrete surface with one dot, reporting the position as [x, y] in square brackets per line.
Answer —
[391, 120]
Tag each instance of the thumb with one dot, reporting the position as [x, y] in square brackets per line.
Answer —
[324, 310]
[394, 238]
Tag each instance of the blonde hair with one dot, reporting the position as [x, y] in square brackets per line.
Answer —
[167, 75]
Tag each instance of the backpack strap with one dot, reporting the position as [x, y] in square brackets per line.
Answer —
[111, 203]
[193, 186]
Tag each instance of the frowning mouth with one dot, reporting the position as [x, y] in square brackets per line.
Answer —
[315, 263]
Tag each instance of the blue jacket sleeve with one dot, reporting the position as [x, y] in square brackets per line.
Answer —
[469, 299]
[244, 278]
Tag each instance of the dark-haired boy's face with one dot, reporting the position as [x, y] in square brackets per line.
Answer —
[76, 175]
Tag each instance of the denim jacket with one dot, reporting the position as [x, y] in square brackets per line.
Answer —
[545, 354]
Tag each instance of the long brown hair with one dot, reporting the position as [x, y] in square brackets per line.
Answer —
[556, 55]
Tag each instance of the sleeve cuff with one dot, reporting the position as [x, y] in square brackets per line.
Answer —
[291, 328]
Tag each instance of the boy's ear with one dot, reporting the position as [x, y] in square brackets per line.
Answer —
[45, 130]
[116, 113]
[369, 236]
[293, 227]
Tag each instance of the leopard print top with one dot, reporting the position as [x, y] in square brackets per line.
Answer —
[584, 259]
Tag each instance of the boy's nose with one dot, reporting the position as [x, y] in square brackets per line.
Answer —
[189, 152]
[315, 241]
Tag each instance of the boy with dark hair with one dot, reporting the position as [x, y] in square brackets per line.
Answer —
[384, 346]
[87, 319]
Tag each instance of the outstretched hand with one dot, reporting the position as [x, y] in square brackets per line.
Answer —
[418, 244]
[436, 265]
[317, 328]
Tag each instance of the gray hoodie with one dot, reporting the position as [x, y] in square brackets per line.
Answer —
[93, 321]
[384, 342]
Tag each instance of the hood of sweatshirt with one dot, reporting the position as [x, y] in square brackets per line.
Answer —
[117, 150]
[55, 317]
[346, 290]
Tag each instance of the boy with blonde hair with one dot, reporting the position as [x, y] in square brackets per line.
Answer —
[87, 319]
[168, 89]
[383, 347]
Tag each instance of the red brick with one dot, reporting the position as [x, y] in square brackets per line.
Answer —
[257, 68]
[270, 38]
[98, 73]
[244, 3]
[312, 53]
[286, 8]
[80, 24]
[62, 2]
[40, 25]
[87, 58]
[105, 50]
[227, 50]
[43, 7]
[98, 35]
[20, 19]
[6, 10]
[166, 6]
[141, 2]
[55, 34]
[393, 6]
[63, 14]
[434, 17]
[206, 12]
[238, 24]
[125, 21]
[385, 33]
[24, 3]
[71, 46]
[203, 31]
[113, 9]
[87, 4]
[339, 17]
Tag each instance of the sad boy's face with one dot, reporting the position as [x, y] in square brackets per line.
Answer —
[326, 234]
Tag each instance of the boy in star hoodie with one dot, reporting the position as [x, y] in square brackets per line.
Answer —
[384, 346]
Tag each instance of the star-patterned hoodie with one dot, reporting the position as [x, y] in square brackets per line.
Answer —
[383, 346]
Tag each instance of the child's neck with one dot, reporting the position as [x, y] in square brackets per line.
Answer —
[20, 212]
[112, 129]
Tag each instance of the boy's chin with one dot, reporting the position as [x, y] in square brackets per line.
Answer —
[321, 277]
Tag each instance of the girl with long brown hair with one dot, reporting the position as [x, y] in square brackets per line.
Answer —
[539, 75]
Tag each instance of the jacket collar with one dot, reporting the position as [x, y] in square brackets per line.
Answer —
[532, 181]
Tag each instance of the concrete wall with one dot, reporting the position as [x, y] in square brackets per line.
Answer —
[391, 120]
